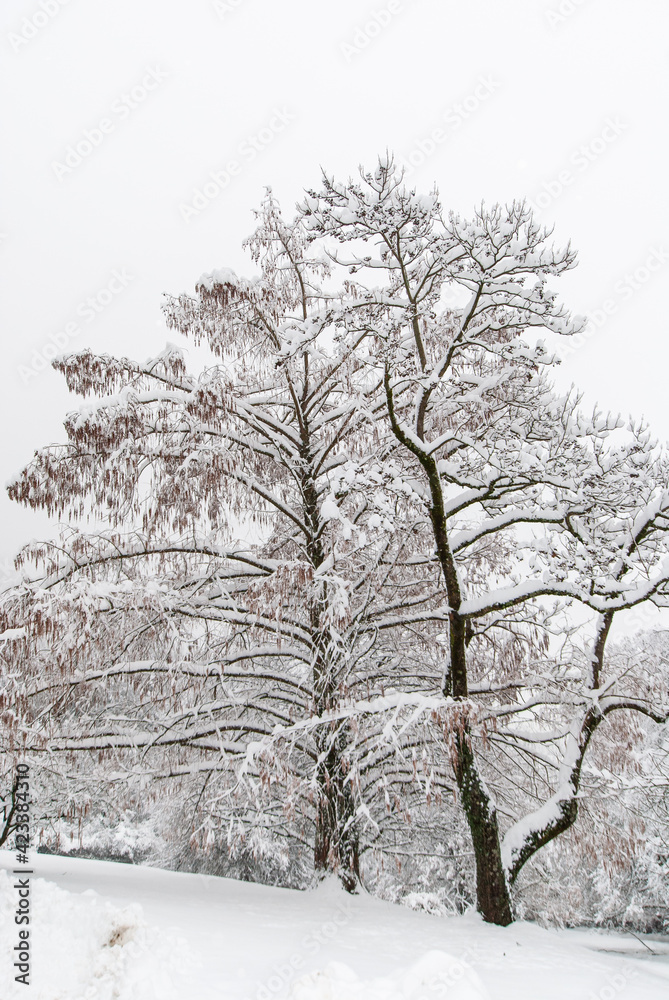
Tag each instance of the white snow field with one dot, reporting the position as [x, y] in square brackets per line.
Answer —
[104, 931]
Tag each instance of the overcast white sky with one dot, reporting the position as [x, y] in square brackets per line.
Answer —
[554, 100]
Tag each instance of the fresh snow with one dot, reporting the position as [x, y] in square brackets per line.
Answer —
[105, 931]
[435, 974]
[84, 946]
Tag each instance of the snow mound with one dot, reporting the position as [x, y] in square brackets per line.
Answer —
[434, 975]
[83, 947]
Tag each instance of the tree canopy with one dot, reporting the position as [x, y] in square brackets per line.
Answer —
[367, 560]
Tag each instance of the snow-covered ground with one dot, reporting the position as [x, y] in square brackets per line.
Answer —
[103, 931]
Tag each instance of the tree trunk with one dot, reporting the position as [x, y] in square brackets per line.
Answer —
[492, 891]
[336, 847]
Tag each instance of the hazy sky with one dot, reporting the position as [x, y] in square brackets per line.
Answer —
[120, 112]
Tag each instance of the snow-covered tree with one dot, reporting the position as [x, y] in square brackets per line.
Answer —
[612, 867]
[374, 556]
[495, 455]
[221, 636]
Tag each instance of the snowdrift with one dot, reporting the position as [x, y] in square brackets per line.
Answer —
[84, 948]
[105, 931]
